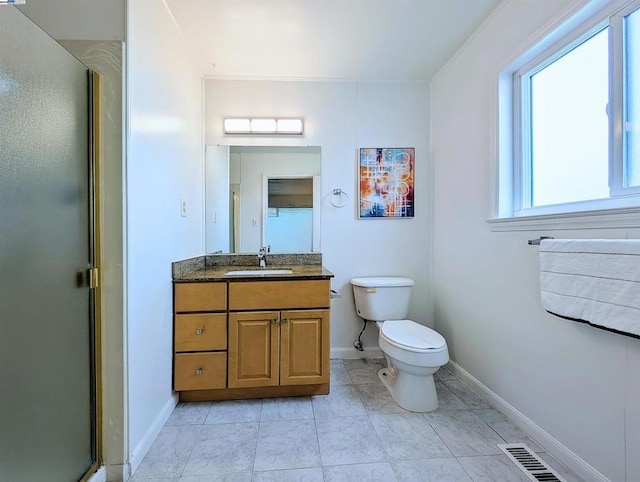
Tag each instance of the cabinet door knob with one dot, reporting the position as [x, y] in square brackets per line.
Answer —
[199, 371]
[285, 320]
[199, 331]
[275, 320]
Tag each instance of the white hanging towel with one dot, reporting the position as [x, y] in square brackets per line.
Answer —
[592, 280]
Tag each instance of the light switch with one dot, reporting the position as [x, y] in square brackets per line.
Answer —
[183, 207]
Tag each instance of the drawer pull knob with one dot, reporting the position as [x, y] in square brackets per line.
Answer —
[199, 331]
[199, 371]
[285, 320]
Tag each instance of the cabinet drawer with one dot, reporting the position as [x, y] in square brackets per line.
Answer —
[193, 297]
[201, 332]
[200, 371]
[276, 295]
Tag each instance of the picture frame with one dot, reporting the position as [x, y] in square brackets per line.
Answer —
[386, 182]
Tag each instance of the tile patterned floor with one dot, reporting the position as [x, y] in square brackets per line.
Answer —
[356, 433]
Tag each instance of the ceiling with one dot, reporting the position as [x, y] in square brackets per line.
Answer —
[366, 40]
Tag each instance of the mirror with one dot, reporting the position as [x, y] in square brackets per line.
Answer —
[262, 196]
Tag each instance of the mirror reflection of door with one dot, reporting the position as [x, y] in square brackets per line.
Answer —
[289, 217]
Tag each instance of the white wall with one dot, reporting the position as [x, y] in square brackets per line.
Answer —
[571, 380]
[164, 164]
[79, 19]
[342, 117]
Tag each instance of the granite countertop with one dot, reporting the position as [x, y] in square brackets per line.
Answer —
[215, 267]
[219, 273]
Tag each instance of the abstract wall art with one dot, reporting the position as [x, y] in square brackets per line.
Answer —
[386, 182]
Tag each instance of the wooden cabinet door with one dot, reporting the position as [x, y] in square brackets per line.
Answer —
[304, 354]
[253, 349]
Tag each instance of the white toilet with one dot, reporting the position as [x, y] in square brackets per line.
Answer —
[413, 351]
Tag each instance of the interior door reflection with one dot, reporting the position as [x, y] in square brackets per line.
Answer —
[289, 218]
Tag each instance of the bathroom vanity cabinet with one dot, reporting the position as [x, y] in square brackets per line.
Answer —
[247, 338]
[282, 346]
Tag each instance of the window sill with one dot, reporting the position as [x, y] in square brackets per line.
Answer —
[597, 219]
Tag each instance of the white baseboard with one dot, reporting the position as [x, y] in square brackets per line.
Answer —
[352, 353]
[145, 444]
[541, 437]
[99, 476]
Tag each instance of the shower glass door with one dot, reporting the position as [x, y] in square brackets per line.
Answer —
[47, 360]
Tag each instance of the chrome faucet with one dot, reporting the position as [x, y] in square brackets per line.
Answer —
[262, 256]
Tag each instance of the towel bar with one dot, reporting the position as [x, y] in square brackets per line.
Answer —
[536, 242]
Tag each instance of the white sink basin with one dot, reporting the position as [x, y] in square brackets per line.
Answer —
[259, 271]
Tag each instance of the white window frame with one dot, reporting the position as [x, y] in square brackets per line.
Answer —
[617, 119]
[523, 165]
[512, 176]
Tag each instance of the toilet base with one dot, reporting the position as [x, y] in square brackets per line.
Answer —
[412, 392]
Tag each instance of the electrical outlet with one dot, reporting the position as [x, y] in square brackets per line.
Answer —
[183, 207]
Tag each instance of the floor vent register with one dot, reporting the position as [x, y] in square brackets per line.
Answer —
[534, 467]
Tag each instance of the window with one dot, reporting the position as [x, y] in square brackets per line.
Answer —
[576, 120]
[632, 111]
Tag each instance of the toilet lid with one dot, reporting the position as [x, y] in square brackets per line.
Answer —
[412, 335]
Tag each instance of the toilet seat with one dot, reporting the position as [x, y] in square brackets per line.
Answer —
[412, 336]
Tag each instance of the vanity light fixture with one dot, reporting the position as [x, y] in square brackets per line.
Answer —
[264, 125]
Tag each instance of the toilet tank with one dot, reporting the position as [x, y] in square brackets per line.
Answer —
[382, 298]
